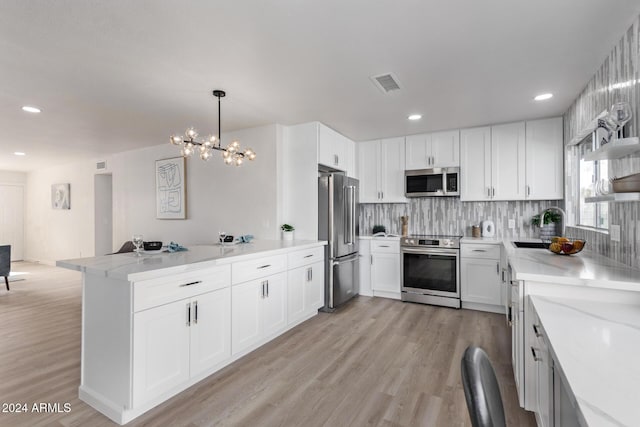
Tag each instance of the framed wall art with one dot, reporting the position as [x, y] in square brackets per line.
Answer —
[170, 189]
[61, 196]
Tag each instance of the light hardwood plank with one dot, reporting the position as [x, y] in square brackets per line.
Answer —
[374, 362]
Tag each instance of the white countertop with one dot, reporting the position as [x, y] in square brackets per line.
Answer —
[488, 240]
[596, 348]
[128, 266]
[583, 269]
[388, 237]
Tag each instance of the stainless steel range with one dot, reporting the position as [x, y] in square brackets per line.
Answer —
[431, 269]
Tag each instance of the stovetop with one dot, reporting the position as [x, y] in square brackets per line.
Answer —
[431, 240]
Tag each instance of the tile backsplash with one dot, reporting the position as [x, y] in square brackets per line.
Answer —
[448, 215]
[618, 79]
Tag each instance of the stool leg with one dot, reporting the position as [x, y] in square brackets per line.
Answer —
[6, 281]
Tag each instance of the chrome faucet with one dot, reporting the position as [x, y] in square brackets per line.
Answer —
[562, 214]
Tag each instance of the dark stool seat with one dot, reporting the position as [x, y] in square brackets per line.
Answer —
[481, 389]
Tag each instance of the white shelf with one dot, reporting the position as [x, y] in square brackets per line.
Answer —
[615, 149]
[588, 129]
[614, 197]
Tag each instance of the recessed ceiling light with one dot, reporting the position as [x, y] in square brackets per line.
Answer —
[20, 153]
[415, 117]
[30, 109]
[543, 97]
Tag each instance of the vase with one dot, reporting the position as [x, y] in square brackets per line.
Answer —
[547, 231]
[287, 235]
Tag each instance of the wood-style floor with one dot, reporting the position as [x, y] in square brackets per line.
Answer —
[374, 362]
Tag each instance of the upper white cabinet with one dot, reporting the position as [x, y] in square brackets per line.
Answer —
[432, 150]
[475, 163]
[381, 171]
[508, 161]
[334, 150]
[514, 161]
[544, 166]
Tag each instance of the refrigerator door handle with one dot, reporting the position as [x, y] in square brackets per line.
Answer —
[350, 213]
[345, 260]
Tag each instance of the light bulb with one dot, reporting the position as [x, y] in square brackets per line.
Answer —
[209, 142]
[187, 150]
[235, 144]
[252, 156]
[228, 160]
[205, 154]
[191, 133]
[231, 148]
[238, 161]
[176, 140]
[225, 154]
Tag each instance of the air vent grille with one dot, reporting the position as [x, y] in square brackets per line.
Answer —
[386, 82]
[101, 165]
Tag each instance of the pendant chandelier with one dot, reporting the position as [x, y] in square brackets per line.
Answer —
[231, 154]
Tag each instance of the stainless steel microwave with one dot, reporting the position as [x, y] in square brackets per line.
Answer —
[432, 182]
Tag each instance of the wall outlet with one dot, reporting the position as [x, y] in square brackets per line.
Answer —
[512, 223]
[614, 233]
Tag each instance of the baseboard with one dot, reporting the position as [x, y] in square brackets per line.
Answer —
[483, 307]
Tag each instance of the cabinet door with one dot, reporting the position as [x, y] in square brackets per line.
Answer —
[480, 281]
[475, 164]
[314, 287]
[391, 177]
[508, 161]
[544, 164]
[161, 337]
[544, 387]
[210, 330]
[416, 156]
[296, 283]
[273, 308]
[246, 299]
[445, 149]
[368, 167]
[331, 148]
[385, 272]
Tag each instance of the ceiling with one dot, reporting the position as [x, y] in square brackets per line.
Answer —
[115, 75]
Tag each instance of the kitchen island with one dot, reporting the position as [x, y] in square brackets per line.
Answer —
[155, 324]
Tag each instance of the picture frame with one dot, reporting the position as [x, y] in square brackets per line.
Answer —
[171, 199]
[61, 196]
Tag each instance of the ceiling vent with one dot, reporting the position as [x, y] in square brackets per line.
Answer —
[101, 165]
[386, 82]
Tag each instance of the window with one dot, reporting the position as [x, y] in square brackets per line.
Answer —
[595, 215]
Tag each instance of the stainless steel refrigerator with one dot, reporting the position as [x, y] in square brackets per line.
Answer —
[338, 225]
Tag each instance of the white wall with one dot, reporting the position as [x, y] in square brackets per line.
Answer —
[52, 234]
[10, 177]
[244, 200]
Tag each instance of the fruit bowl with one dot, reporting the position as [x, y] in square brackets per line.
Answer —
[564, 245]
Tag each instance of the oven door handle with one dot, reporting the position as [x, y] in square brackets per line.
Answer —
[430, 251]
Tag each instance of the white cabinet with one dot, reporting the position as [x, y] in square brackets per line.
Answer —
[514, 161]
[544, 154]
[178, 341]
[305, 292]
[385, 268]
[381, 171]
[480, 277]
[508, 162]
[543, 377]
[258, 310]
[432, 150]
[334, 149]
[365, 267]
[475, 164]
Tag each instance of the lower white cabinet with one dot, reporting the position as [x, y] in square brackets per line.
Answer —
[480, 277]
[258, 310]
[385, 268]
[305, 292]
[175, 342]
[365, 267]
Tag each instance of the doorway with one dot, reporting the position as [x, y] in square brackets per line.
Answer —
[103, 191]
[12, 219]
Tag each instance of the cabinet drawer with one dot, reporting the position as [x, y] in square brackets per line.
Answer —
[155, 292]
[385, 246]
[248, 270]
[308, 256]
[480, 251]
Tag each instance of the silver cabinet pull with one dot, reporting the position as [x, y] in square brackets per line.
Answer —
[188, 314]
[498, 268]
[195, 312]
[308, 256]
[503, 279]
[535, 356]
[489, 192]
[263, 291]
[528, 190]
[263, 266]
[267, 288]
[384, 246]
[309, 274]
[535, 331]
[478, 250]
[191, 283]
[493, 192]
[371, 257]
[382, 192]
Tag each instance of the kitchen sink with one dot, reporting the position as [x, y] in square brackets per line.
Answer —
[529, 245]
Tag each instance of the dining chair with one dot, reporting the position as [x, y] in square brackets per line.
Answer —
[5, 263]
[481, 389]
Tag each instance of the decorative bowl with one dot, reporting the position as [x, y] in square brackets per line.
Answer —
[152, 246]
[564, 245]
